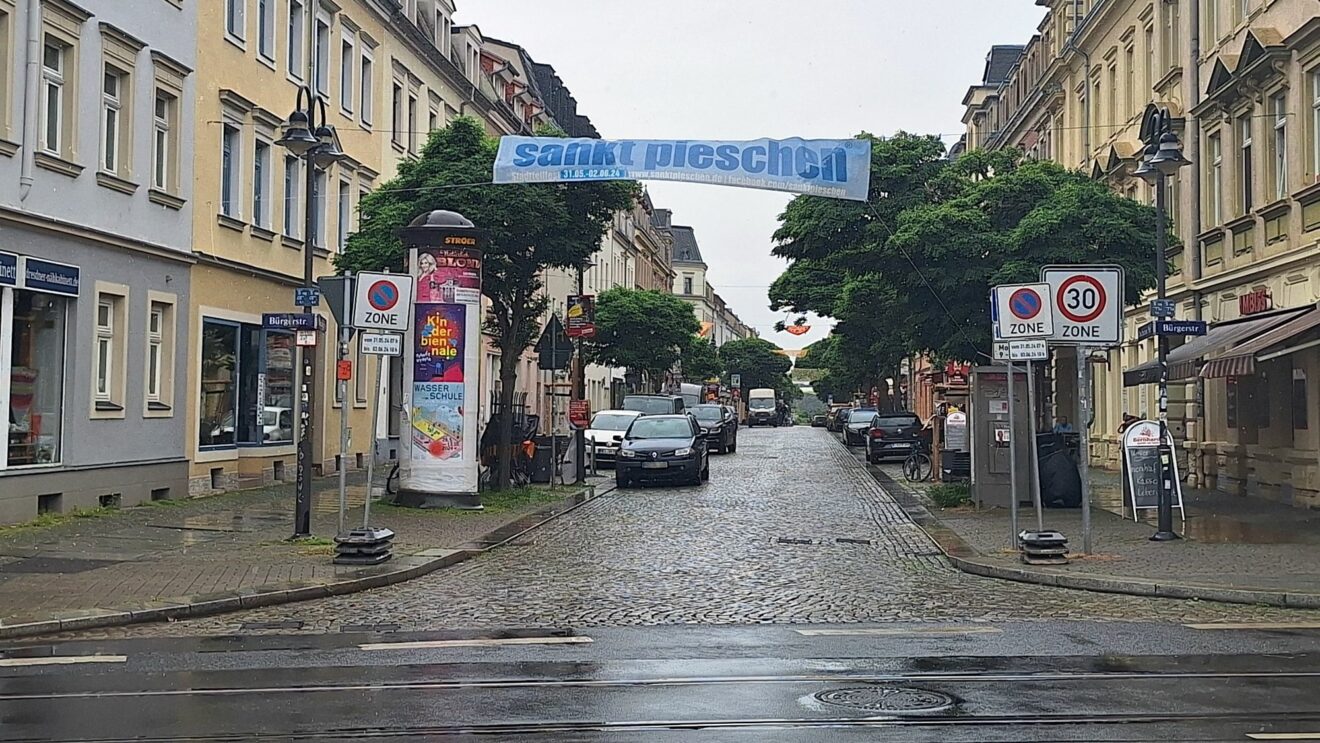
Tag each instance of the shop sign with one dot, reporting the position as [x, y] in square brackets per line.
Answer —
[8, 269]
[1255, 302]
[48, 276]
[292, 321]
[1141, 463]
[956, 372]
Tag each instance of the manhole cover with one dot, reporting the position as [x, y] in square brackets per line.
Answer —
[887, 699]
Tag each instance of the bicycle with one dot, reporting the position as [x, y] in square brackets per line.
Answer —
[918, 466]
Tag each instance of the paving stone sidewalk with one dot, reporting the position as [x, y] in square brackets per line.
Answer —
[229, 551]
[1235, 549]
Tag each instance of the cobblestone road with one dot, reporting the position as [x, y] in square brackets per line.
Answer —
[790, 529]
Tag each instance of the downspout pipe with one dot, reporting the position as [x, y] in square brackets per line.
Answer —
[31, 79]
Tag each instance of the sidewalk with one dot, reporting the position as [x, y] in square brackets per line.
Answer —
[1236, 549]
[231, 551]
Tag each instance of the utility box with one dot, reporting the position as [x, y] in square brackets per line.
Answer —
[992, 442]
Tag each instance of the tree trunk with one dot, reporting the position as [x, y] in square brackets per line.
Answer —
[509, 357]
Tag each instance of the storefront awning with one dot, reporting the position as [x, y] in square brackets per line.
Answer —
[1241, 360]
[1183, 360]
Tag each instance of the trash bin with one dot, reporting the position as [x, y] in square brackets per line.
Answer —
[955, 465]
[542, 464]
[1060, 481]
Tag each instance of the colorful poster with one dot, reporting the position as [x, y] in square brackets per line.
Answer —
[448, 276]
[440, 343]
[437, 421]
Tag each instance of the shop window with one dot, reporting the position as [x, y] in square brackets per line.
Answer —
[247, 385]
[36, 379]
[1299, 404]
[1231, 403]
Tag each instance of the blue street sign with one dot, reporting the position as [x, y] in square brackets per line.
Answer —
[1163, 309]
[306, 297]
[1145, 331]
[1180, 327]
[292, 321]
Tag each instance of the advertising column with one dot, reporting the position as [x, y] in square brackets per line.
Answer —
[441, 395]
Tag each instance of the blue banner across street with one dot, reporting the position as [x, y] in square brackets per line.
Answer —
[836, 168]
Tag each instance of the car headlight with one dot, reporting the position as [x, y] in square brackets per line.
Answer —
[683, 452]
[627, 453]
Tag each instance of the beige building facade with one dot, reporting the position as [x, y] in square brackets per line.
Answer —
[1242, 81]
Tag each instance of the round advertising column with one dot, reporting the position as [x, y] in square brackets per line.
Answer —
[439, 428]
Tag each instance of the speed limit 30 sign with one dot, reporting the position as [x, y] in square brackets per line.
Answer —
[1088, 304]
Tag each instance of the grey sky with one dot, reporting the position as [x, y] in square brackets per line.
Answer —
[742, 69]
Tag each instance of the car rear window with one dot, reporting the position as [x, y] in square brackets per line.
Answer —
[649, 405]
[861, 415]
[893, 422]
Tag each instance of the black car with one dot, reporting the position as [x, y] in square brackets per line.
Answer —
[892, 435]
[818, 421]
[835, 419]
[858, 424]
[654, 404]
[663, 447]
[721, 432]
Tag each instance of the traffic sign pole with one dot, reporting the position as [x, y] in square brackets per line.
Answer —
[1033, 451]
[1012, 461]
[1084, 406]
[345, 337]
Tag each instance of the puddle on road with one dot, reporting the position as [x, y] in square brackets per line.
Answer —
[225, 521]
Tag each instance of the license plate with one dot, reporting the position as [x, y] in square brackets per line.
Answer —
[898, 446]
[655, 465]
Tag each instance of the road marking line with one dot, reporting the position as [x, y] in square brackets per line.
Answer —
[871, 631]
[1255, 625]
[1284, 736]
[61, 660]
[483, 642]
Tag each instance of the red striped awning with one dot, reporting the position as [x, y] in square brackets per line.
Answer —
[1240, 360]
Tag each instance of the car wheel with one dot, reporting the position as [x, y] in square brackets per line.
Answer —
[622, 482]
[733, 448]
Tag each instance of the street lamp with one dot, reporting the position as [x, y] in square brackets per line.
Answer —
[580, 383]
[308, 136]
[1161, 158]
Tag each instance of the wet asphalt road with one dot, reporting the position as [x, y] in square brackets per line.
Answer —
[727, 612]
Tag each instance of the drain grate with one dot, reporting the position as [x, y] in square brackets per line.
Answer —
[896, 699]
[291, 624]
[369, 628]
[790, 540]
[847, 540]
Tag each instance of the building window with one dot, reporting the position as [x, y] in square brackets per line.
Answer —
[266, 29]
[108, 356]
[365, 89]
[5, 47]
[1114, 115]
[235, 17]
[160, 356]
[155, 343]
[297, 39]
[113, 136]
[1095, 109]
[1209, 23]
[432, 120]
[105, 347]
[1279, 144]
[1300, 408]
[53, 59]
[1148, 75]
[36, 378]
[247, 385]
[321, 68]
[687, 284]
[318, 198]
[396, 112]
[230, 180]
[1241, 9]
[162, 145]
[412, 124]
[292, 179]
[345, 213]
[1214, 193]
[346, 57]
[261, 184]
[1245, 172]
[1130, 90]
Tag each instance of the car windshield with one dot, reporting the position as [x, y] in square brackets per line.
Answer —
[612, 421]
[861, 416]
[897, 421]
[660, 428]
[762, 403]
[650, 405]
[708, 413]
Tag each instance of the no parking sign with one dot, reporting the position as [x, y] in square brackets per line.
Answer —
[383, 301]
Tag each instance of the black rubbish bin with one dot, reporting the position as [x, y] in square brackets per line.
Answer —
[1060, 481]
[955, 465]
[542, 466]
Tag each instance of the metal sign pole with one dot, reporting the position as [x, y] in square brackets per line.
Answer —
[1034, 453]
[1012, 460]
[345, 336]
[1084, 406]
[371, 458]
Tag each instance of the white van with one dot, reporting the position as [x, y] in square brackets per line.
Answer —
[761, 408]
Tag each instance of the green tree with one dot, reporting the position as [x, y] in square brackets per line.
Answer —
[701, 361]
[641, 330]
[758, 363]
[532, 227]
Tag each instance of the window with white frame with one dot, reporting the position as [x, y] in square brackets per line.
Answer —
[1214, 193]
[261, 183]
[230, 178]
[6, 45]
[1279, 143]
[321, 66]
[155, 351]
[345, 213]
[412, 123]
[366, 87]
[292, 181]
[266, 29]
[105, 346]
[1246, 173]
[235, 19]
[296, 39]
[347, 57]
[1210, 21]
[161, 141]
[53, 58]
[396, 113]
[1315, 124]
[111, 333]
[114, 86]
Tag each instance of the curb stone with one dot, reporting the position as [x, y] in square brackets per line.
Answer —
[964, 557]
[403, 568]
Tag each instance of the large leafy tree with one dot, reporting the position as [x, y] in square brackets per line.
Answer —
[643, 330]
[532, 227]
[759, 363]
[701, 361]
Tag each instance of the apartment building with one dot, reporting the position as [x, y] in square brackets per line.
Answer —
[96, 205]
[719, 322]
[1242, 80]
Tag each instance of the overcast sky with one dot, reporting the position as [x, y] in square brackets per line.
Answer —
[743, 69]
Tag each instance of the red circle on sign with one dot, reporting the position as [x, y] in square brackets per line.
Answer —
[1025, 304]
[1073, 315]
[383, 295]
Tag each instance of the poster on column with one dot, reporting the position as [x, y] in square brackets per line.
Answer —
[442, 404]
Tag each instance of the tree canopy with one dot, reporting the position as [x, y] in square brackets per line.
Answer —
[759, 363]
[642, 330]
[700, 360]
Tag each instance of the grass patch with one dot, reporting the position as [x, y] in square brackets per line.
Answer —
[314, 545]
[47, 520]
[950, 495]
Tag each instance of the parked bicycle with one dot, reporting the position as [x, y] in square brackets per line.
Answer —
[918, 465]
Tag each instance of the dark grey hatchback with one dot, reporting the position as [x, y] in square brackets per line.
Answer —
[663, 447]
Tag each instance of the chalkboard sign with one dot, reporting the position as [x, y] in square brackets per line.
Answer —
[1141, 466]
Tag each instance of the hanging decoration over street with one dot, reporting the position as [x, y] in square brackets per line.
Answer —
[797, 329]
[835, 168]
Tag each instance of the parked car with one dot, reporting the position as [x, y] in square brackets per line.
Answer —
[835, 419]
[654, 404]
[663, 447]
[721, 433]
[818, 421]
[605, 432]
[892, 435]
[858, 424]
